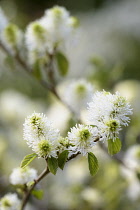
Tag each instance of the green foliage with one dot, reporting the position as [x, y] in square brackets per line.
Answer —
[38, 193]
[62, 63]
[28, 159]
[53, 165]
[93, 163]
[114, 146]
[62, 159]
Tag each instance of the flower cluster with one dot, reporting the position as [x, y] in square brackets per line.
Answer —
[41, 136]
[22, 176]
[10, 202]
[51, 31]
[109, 112]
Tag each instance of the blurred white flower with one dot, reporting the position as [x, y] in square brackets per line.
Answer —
[92, 196]
[21, 176]
[12, 38]
[36, 37]
[82, 138]
[59, 24]
[51, 31]
[10, 202]
[40, 135]
[62, 113]
[79, 170]
[132, 161]
[77, 94]
[16, 100]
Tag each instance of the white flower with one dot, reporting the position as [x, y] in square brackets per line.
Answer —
[131, 174]
[109, 129]
[10, 202]
[77, 94]
[12, 37]
[108, 112]
[36, 37]
[121, 109]
[59, 24]
[132, 157]
[41, 136]
[82, 139]
[50, 31]
[3, 20]
[22, 176]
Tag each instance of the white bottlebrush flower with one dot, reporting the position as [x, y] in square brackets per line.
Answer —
[10, 202]
[78, 93]
[41, 136]
[108, 112]
[12, 38]
[121, 109]
[82, 138]
[21, 176]
[46, 34]
[109, 129]
[36, 37]
[59, 24]
[3, 20]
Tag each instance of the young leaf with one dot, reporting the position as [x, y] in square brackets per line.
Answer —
[38, 194]
[28, 159]
[114, 146]
[93, 163]
[53, 165]
[62, 63]
[62, 159]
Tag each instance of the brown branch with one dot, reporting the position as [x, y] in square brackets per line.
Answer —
[28, 193]
[36, 181]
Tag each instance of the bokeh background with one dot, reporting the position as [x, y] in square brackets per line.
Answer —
[107, 53]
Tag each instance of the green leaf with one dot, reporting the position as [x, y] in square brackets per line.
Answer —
[28, 159]
[62, 159]
[53, 165]
[62, 63]
[93, 163]
[114, 146]
[38, 194]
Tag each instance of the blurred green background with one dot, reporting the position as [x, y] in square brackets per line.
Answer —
[107, 53]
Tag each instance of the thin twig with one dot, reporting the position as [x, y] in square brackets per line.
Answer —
[40, 177]
[51, 87]
[28, 193]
